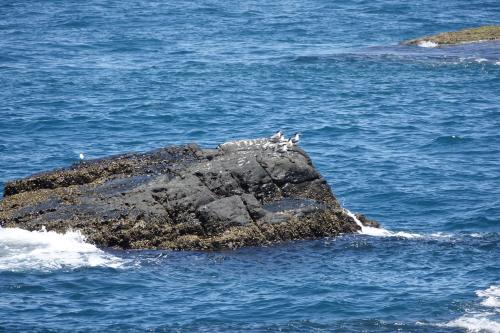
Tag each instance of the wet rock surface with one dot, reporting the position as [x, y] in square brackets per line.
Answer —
[244, 193]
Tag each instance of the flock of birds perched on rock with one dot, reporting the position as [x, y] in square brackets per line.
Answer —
[277, 141]
[280, 143]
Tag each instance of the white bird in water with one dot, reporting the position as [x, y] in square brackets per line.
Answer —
[82, 157]
[276, 137]
[295, 138]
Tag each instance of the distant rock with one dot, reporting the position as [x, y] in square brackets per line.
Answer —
[243, 193]
[485, 33]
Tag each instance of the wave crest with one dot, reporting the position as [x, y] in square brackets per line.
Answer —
[482, 321]
[427, 44]
[48, 250]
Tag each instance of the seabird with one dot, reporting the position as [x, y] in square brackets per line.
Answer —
[81, 156]
[276, 137]
[283, 147]
[295, 138]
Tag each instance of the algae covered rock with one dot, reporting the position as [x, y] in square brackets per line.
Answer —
[484, 33]
[244, 193]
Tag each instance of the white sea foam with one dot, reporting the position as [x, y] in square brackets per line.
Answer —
[426, 43]
[482, 321]
[380, 232]
[491, 297]
[47, 250]
[475, 323]
[479, 60]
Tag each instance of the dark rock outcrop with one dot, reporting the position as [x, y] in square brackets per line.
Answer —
[243, 193]
[480, 34]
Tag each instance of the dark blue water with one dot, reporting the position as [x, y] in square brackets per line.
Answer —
[410, 136]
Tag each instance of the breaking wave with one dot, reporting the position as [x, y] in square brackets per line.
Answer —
[428, 44]
[380, 232]
[484, 319]
[22, 250]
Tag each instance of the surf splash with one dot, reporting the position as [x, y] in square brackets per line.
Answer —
[379, 232]
[43, 250]
[484, 319]
[427, 44]
[491, 297]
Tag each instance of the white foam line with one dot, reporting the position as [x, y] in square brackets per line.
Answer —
[41, 250]
[380, 232]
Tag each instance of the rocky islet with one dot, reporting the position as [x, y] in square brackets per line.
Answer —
[479, 34]
[244, 193]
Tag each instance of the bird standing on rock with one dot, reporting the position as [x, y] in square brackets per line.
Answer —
[283, 147]
[276, 137]
[280, 143]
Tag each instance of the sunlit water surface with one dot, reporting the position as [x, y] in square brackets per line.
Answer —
[407, 135]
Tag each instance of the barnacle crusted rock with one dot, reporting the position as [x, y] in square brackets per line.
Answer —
[244, 193]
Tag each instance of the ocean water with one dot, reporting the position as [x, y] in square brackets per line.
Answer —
[408, 135]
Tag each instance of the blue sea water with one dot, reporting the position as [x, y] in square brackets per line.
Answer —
[408, 135]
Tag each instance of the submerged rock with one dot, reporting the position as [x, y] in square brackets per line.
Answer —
[243, 193]
[485, 33]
